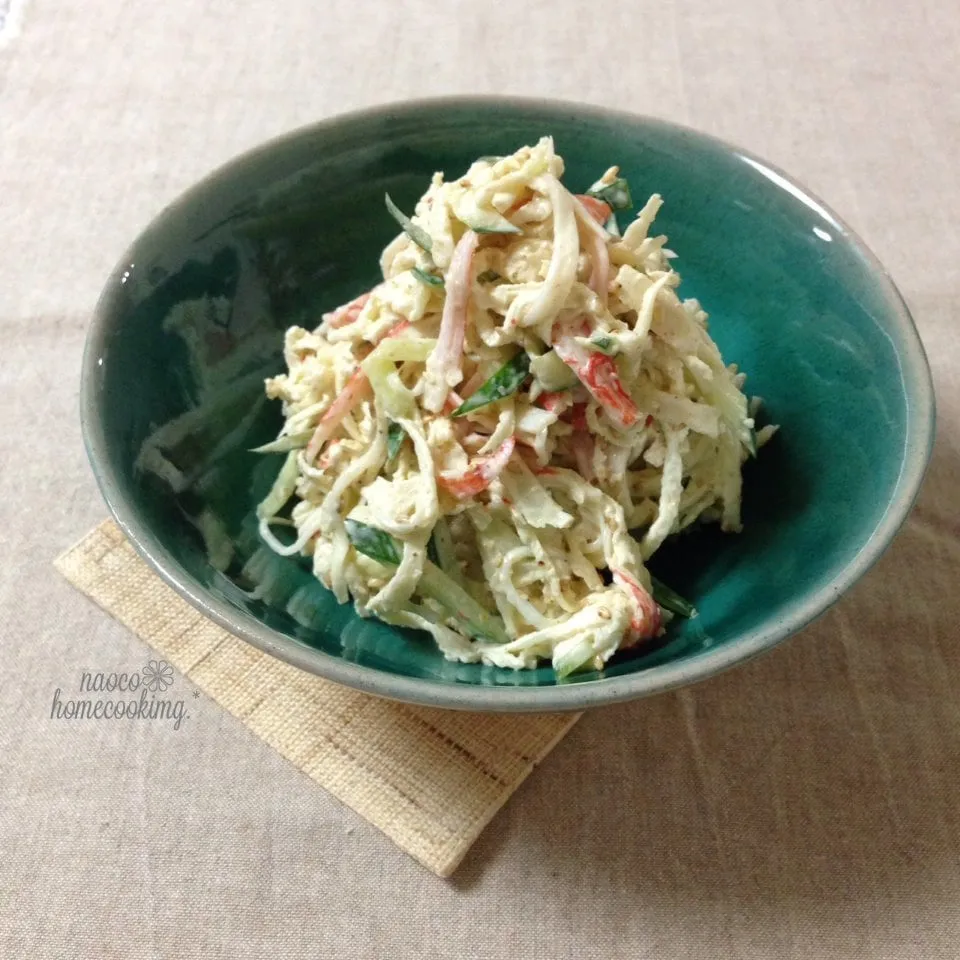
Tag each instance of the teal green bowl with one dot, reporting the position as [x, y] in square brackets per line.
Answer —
[193, 317]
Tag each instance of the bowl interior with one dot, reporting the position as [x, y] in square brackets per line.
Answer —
[193, 320]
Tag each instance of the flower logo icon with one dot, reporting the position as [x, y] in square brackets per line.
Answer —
[157, 675]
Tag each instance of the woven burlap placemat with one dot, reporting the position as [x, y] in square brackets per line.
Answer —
[431, 780]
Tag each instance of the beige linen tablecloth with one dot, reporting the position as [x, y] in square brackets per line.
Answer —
[803, 805]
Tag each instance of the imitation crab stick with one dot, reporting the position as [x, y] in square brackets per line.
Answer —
[480, 473]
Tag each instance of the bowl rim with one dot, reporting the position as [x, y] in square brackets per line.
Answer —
[917, 448]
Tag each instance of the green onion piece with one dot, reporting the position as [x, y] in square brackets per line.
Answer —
[395, 435]
[417, 234]
[575, 660]
[431, 279]
[476, 621]
[489, 159]
[605, 344]
[497, 230]
[373, 543]
[671, 600]
[616, 195]
[488, 276]
[503, 383]
[284, 444]
[444, 555]
[612, 227]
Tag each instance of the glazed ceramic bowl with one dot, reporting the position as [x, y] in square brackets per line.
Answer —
[193, 319]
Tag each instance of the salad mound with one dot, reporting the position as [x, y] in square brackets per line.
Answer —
[491, 443]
